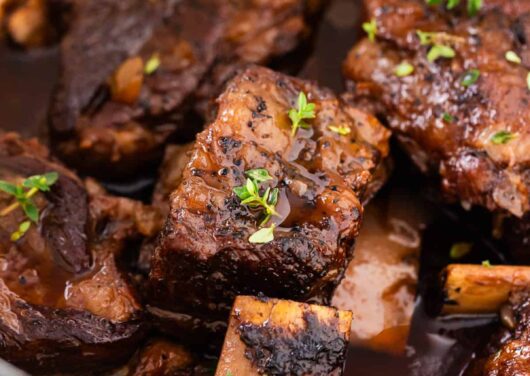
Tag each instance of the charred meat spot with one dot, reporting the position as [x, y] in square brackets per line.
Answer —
[519, 31]
[257, 115]
[317, 350]
[227, 144]
[197, 172]
[262, 106]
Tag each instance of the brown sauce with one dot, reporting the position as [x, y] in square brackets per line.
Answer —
[434, 345]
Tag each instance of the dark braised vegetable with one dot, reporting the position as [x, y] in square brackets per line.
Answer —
[66, 304]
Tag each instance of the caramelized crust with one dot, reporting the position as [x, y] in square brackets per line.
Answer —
[199, 44]
[510, 347]
[204, 258]
[473, 169]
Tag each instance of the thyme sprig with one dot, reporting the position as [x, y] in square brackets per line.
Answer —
[304, 111]
[249, 194]
[23, 193]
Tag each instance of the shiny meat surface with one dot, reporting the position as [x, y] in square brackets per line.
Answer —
[512, 356]
[161, 357]
[204, 257]
[64, 300]
[448, 126]
[166, 63]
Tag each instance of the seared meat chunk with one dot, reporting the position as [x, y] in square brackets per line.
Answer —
[121, 98]
[206, 256]
[161, 357]
[465, 118]
[508, 353]
[65, 303]
[281, 337]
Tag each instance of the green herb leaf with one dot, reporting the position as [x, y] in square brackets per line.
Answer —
[304, 111]
[371, 29]
[251, 187]
[426, 38]
[404, 69]
[262, 236]
[447, 117]
[259, 175]
[473, 6]
[242, 192]
[250, 196]
[22, 229]
[459, 250]
[31, 211]
[438, 51]
[502, 137]
[452, 4]
[8, 188]
[152, 64]
[470, 77]
[512, 57]
[273, 198]
[341, 129]
[486, 263]
[33, 184]
[41, 182]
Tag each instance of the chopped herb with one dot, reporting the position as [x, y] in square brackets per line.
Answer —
[452, 4]
[22, 229]
[259, 175]
[438, 50]
[459, 250]
[426, 38]
[404, 69]
[152, 64]
[447, 117]
[228, 373]
[343, 130]
[486, 263]
[304, 111]
[473, 6]
[23, 194]
[512, 57]
[437, 40]
[502, 137]
[250, 196]
[262, 236]
[470, 77]
[371, 29]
